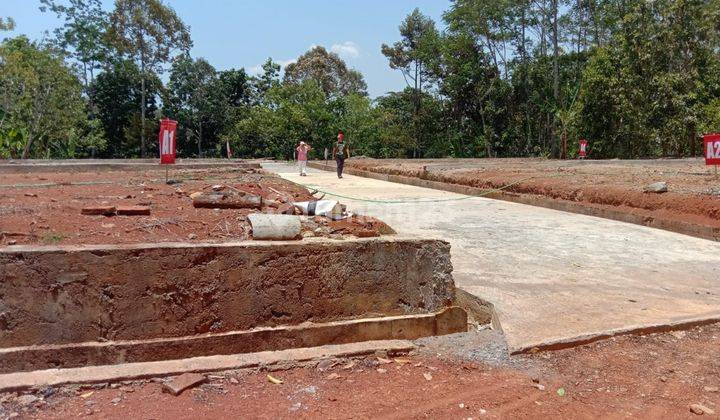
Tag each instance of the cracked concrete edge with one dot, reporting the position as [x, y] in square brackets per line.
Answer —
[685, 228]
[481, 312]
[169, 245]
[663, 327]
[144, 370]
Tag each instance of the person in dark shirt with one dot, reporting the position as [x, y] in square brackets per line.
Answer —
[340, 152]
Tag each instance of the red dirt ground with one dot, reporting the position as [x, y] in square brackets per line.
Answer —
[693, 191]
[654, 376]
[44, 208]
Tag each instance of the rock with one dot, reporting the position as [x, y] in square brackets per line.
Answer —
[98, 211]
[700, 409]
[195, 194]
[326, 364]
[178, 384]
[541, 387]
[308, 235]
[312, 390]
[30, 195]
[25, 400]
[192, 236]
[234, 381]
[711, 389]
[229, 199]
[274, 226]
[218, 187]
[116, 400]
[47, 392]
[657, 188]
[133, 211]
[715, 191]
[678, 334]
[286, 209]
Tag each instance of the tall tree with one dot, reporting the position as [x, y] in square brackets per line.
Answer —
[328, 70]
[147, 31]
[83, 33]
[269, 79]
[40, 104]
[411, 55]
[116, 93]
[192, 89]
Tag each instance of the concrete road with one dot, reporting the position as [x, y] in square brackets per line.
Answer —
[553, 276]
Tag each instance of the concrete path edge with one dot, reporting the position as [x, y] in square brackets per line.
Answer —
[135, 371]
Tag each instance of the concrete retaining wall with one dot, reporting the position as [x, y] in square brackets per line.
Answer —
[59, 295]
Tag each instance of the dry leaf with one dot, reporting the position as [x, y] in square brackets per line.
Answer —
[384, 361]
[87, 394]
[402, 361]
[274, 380]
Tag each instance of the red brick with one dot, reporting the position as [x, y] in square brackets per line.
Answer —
[178, 384]
[133, 211]
[98, 211]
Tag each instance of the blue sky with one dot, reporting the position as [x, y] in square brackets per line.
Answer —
[244, 33]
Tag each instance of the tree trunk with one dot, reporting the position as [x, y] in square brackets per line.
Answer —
[143, 146]
[692, 139]
[26, 149]
[200, 151]
[556, 54]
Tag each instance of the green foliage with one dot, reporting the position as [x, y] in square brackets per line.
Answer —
[42, 113]
[7, 24]
[82, 34]
[636, 78]
[328, 70]
[116, 93]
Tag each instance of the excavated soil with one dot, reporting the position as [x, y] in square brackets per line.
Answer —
[654, 376]
[693, 190]
[45, 208]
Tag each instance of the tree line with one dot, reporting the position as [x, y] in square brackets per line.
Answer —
[495, 78]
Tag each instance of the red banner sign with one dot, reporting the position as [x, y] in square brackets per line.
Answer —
[166, 140]
[712, 149]
[583, 148]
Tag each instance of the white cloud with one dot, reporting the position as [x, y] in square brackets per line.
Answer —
[346, 50]
[257, 70]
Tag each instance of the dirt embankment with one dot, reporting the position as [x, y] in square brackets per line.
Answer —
[693, 194]
[45, 208]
